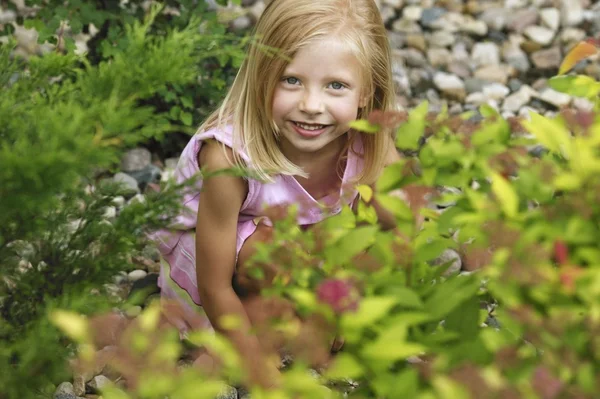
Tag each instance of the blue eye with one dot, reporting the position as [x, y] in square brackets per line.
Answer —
[337, 85]
[291, 80]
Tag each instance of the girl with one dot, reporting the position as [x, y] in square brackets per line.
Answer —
[286, 117]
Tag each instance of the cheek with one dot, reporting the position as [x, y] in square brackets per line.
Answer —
[347, 109]
[282, 104]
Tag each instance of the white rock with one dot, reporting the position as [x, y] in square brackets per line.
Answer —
[7, 16]
[459, 52]
[394, 3]
[516, 101]
[539, 34]
[495, 91]
[137, 199]
[99, 382]
[550, 18]
[412, 13]
[526, 111]
[450, 22]
[515, 3]
[495, 18]
[555, 98]
[445, 81]
[486, 53]
[571, 12]
[476, 98]
[136, 275]
[110, 212]
[583, 104]
[440, 38]
[118, 201]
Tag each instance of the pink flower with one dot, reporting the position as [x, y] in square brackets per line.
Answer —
[339, 294]
[561, 252]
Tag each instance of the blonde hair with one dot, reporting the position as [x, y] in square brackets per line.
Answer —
[287, 25]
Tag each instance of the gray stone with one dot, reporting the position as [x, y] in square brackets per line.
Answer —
[99, 382]
[449, 84]
[493, 73]
[413, 58]
[460, 52]
[477, 98]
[450, 22]
[127, 183]
[64, 388]
[572, 35]
[7, 16]
[515, 57]
[451, 258]
[150, 174]
[550, 18]
[405, 26]
[547, 59]
[539, 34]
[388, 14]
[460, 69]
[515, 3]
[118, 201]
[518, 100]
[522, 19]
[495, 18]
[397, 40]
[136, 159]
[137, 199]
[474, 85]
[136, 275]
[394, 3]
[430, 15]
[514, 84]
[485, 54]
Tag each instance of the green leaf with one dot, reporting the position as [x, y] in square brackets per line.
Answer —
[397, 206]
[450, 294]
[505, 194]
[364, 125]
[186, 118]
[391, 345]
[345, 365]
[370, 310]
[552, 134]
[576, 85]
[464, 319]
[391, 177]
[350, 245]
[409, 133]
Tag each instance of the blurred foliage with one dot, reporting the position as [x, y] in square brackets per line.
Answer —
[523, 321]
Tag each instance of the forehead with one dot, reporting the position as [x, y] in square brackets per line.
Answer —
[325, 57]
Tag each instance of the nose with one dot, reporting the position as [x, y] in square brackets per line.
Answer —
[311, 102]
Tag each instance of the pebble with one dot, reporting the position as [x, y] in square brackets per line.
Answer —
[430, 15]
[539, 34]
[547, 59]
[493, 73]
[128, 184]
[135, 159]
[412, 13]
[475, 27]
[495, 18]
[64, 388]
[439, 57]
[486, 53]
[496, 91]
[571, 12]
[517, 100]
[99, 382]
[413, 58]
[555, 98]
[441, 39]
[136, 275]
[550, 18]
[522, 19]
[449, 84]
[451, 258]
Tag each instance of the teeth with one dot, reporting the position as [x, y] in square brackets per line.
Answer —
[309, 127]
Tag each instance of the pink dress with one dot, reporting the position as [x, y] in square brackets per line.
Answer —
[177, 246]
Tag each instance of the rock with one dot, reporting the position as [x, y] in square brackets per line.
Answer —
[514, 84]
[137, 199]
[547, 59]
[495, 18]
[413, 58]
[439, 57]
[441, 39]
[474, 27]
[571, 12]
[493, 73]
[388, 14]
[120, 278]
[450, 85]
[149, 174]
[99, 382]
[460, 69]
[144, 287]
[430, 15]
[7, 16]
[583, 104]
[406, 26]
[64, 388]
[515, 3]
[394, 3]
[416, 41]
[515, 57]
[477, 98]
[496, 91]
[451, 258]
[572, 35]
[550, 18]
[256, 10]
[136, 275]
[555, 98]
[460, 52]
[136, 159]
[133, 311]
[241, 23]
[412, 13]
[450, 22]
[110, 213]
[485, 54]
[522, 19]
[539, 34]
[128, 184]
[474, 85]
[518, 100]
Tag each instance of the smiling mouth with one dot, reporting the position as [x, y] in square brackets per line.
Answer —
[309, 126]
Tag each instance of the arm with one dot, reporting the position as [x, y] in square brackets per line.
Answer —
[386, 219]
[220, 201]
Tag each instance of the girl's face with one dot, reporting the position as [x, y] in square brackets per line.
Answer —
[318, 94]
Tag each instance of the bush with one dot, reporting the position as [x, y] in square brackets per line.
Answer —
[518, 199]
[63, 232]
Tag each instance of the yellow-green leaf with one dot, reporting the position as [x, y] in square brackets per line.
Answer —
[366, 192]
[370, 310]
[505, 194]
[72, 324]
[578, 53]
[552, 134]
[364, 125]
[344, 366]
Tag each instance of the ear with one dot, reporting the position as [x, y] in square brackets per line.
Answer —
[363, 100]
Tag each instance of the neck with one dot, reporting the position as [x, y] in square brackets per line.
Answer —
[326, 157]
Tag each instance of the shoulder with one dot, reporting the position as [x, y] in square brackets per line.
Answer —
[215, 155]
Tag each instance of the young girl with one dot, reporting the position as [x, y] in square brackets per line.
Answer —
[286, 117]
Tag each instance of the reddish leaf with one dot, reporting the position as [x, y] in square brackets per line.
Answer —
[578, 53]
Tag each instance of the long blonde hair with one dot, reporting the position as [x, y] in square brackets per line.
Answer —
[287, 25]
